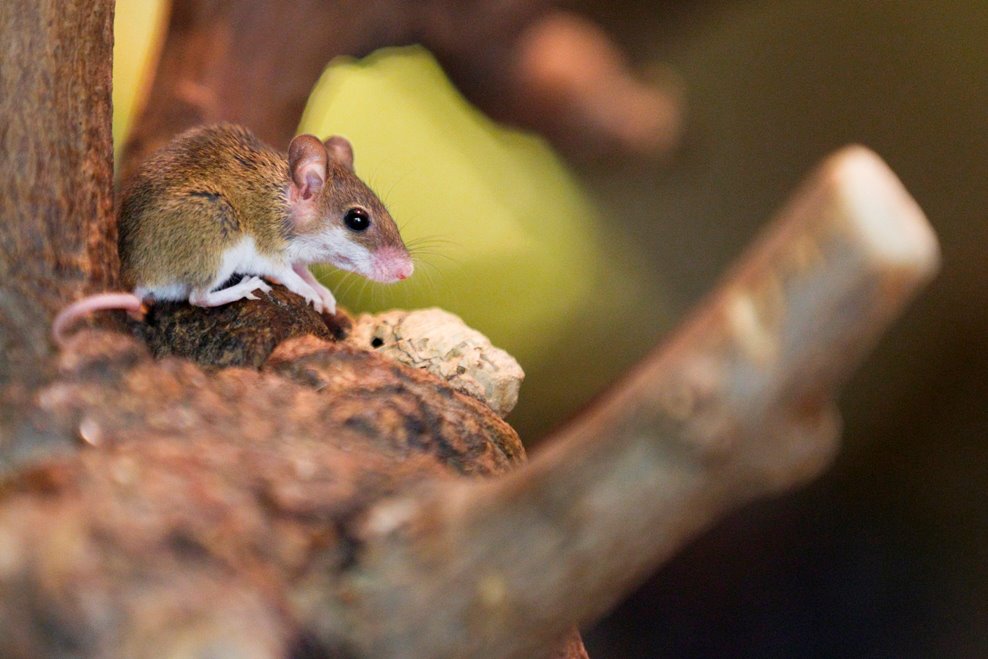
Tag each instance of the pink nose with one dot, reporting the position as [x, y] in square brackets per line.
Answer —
[391, 265]
[405, 271]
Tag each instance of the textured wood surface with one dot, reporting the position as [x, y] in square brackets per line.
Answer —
[56, 170]
[243, 333]
[165, 493]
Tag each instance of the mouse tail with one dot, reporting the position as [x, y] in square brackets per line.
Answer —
[100, 302]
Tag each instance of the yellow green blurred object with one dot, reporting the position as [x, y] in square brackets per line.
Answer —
[138, 31]
[512, 247]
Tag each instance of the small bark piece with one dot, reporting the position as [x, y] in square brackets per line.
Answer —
[442, 344]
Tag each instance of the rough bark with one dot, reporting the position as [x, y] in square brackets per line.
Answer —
[207, 509]
[56, 153]
[519, 61]
[242, 334]
[440, 343]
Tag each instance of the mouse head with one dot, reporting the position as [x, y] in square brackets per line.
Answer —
[335, 218]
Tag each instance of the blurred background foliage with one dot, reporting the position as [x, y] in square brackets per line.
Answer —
[578, 269]
[138, 32]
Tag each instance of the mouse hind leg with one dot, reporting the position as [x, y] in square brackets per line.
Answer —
[233, 251]
[243, 290]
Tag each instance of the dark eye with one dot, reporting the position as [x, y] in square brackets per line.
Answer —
[357, 219]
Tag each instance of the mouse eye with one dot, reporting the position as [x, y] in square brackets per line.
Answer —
[357, 219]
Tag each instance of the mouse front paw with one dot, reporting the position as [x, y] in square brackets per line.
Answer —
[252, 284]
[309, 295]
[315, 302]
[328, 303]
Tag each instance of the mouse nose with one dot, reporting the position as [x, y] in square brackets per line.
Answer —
[404, 271]
[391, 265]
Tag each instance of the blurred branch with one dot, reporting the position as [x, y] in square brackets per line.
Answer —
[739, 403]
[255, 62]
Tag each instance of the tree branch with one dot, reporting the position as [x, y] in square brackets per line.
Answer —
[520, 61]
[738, 404]
[56, 150]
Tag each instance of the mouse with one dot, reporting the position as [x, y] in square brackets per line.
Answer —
[216, 201]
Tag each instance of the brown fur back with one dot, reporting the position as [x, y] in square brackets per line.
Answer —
[196, 197]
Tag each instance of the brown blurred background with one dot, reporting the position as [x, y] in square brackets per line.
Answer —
[887, 554]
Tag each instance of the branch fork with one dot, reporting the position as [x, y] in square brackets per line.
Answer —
[739, 403]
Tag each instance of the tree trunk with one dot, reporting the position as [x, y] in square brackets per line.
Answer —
[57, 236]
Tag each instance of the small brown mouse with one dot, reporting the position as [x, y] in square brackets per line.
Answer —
[217, 201]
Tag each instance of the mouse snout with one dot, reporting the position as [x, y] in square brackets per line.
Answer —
[391, 265]
[405, 270]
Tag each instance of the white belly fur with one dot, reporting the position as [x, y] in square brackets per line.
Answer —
[242, 257]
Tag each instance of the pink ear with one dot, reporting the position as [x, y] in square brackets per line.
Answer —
[307, 167]
[340, 151]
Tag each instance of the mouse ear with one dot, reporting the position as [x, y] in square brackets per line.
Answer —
[340, 150]
[307, 159]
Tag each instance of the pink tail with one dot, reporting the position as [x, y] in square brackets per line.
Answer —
[99, 302]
